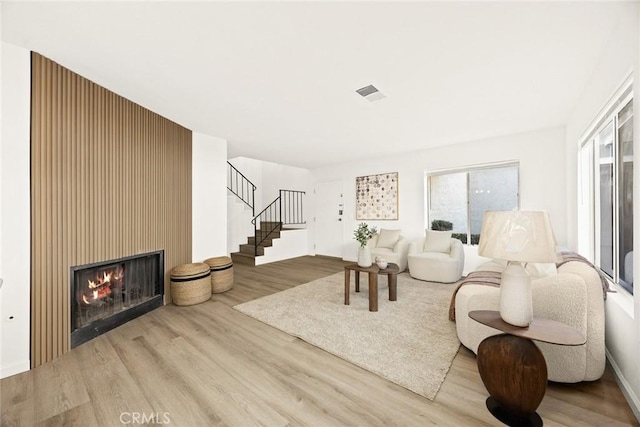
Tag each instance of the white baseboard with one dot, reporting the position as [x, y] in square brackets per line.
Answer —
[627, 391]
[15, 368]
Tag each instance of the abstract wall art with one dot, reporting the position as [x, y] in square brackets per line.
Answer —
[377, 196]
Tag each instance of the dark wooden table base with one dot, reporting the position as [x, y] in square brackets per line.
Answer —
[510, 419]
[514, 372]
[392, 276]
[513, 368]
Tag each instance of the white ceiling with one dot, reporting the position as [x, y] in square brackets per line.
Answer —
[278, 80]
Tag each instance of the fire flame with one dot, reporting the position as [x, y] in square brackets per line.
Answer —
[101, 286]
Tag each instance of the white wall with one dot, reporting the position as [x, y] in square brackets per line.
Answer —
[277, 177]
[271, 177]
[291, 244]
[615, 65]
[209, 197]
[542, 179]
[1, 193]
[620, 59]
[239, 227]
[15, 249]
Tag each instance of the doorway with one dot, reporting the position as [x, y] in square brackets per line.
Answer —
[329, 219]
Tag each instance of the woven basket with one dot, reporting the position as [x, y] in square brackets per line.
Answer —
[190, 284]
[221, 273]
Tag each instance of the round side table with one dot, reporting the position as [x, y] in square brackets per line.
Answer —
[513, 368]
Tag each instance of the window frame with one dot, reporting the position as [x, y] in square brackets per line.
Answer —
[589, 144]
[467, 170]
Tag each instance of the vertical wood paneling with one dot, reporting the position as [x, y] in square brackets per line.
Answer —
[109, 179]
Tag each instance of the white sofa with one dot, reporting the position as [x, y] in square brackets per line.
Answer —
[573, 296]
[391, 246]
[439, 261]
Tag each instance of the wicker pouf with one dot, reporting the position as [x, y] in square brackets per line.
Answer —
[221, 273]
[190, 284]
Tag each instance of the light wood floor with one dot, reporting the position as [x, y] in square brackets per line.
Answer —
[209, 365]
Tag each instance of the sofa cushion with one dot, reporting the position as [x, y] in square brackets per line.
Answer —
[388, 238]
[437, 241]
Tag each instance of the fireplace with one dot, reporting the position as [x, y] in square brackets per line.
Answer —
[108, 294]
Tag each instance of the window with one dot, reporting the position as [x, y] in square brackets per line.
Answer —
[625, 197]
[457, 200]
[606, 171]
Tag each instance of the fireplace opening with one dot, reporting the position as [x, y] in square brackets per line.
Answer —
[107, 294]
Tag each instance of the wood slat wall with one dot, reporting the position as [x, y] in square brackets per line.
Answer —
[108, 179]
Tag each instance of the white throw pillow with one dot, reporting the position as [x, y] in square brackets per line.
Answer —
[437, 241]
[388, 238]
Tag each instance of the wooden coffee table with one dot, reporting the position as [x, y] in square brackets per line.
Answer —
[513, 368]
[391, 271]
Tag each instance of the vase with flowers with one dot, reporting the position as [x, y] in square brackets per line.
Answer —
[363, 234]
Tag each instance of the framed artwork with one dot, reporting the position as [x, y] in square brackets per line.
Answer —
[377, 196]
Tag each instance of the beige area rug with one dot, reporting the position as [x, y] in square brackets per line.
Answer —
[410, 342]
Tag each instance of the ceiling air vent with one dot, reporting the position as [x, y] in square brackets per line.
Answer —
[371, 93]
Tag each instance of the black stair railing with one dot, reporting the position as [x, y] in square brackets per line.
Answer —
[286, 209]
[240, 185]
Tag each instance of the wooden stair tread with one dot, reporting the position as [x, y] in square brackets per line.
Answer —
[264, 243]
[243, 258]
[251, 250]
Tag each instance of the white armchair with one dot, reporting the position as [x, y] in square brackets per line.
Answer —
[572, 295]
[391, 246]
[436, 257]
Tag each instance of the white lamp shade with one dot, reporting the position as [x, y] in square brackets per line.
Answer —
[524, 236]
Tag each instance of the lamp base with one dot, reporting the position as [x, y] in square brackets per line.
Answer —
[516, 307]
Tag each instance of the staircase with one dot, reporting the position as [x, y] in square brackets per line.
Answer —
[239, 226]
[249, 251]
[268, 243]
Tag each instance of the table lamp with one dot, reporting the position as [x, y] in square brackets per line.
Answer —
[517, 237]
